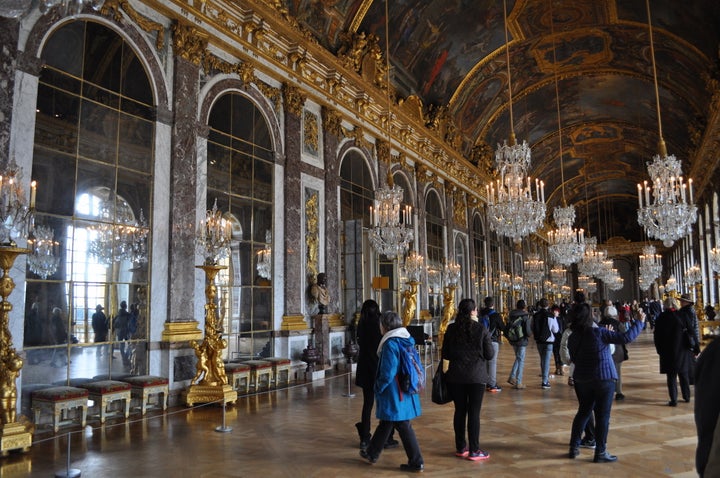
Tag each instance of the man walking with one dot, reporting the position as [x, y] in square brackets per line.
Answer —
[495, 325]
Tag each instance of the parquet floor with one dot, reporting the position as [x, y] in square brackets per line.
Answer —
[308, 430]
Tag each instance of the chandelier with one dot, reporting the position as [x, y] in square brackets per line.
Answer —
[615, 282]
[512, 210]
[645, 282]
[118, 236]
[414, 266]
[558, 276]
[567, 245]
[43, 258]
[650, 263]
[504, 281]
[593, 258]
[212, 239]
[693, 275]
[671, 284]
[264, 258]
[18, 8]
[389, 235]
[451, 274]
[517, 283]
[17, 217]
[534, 268]
[714, 259]
[671, 213]
[587, 283]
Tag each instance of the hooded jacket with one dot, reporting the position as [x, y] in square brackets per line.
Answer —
[390, 403]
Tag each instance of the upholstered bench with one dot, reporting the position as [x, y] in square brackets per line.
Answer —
[260, 372]
[238, 373]
[145, 386]
[280, 365]
[60, 400]
[104, 392]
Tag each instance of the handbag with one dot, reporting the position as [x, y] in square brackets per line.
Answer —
[440, 393]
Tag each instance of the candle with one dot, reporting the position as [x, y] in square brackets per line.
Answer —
[647, 194]
[33, 193]
[542, 190]
[691, 191]
[639, 195]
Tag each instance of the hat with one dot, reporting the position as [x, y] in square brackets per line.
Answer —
[99, 307]
[686, 298]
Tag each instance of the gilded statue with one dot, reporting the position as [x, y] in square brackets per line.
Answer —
[448, 311]
[11, 366]
[410, 299]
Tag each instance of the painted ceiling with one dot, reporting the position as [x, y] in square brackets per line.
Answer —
[595, 53]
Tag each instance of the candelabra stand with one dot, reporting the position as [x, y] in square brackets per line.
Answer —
[14, 435]
[410, 296]
[699, 307]
[448, 311]
[210, 383]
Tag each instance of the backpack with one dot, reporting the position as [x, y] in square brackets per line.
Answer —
[540, 326]
[411, 372]
[515, 330]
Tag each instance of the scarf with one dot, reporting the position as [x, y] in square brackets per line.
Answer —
[401, 332]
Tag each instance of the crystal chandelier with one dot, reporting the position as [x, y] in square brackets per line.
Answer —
[517, 283]
[567, 245]
[671, 213]
[451, 274]
[414, 266]
[43, 258]
[389, 235]
[534, 268]
[512, 210]
[693, 275]
[118, 235]
[504, 281]
[17, 217]
[650, 263]
[212, 239]
[615, 283]
[264, 258]
[593, 258]
[558, 276]
[671, 284]
[587, 283]
[714, 259]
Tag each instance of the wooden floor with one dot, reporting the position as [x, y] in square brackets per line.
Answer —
[308, 430]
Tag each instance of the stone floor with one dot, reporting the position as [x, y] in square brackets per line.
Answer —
[307, 430]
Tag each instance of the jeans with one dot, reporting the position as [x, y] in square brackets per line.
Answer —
[545, 351]
[516, 373]
[594, 396]
[467, 398]
[407, 436]
[492, 366]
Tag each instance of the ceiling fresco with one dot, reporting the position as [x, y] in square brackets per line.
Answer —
[452, 53]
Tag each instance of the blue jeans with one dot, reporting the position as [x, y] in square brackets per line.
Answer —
[516, 373]
[467, 398]
[594, 396]
[545, 351]
[492, 366]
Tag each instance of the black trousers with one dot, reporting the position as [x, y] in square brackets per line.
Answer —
[407, 436]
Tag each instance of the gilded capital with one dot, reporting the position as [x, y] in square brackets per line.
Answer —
[189, 43]
[294, 99]
[332, 121]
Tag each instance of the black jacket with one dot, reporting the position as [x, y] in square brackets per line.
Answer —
[468, 355]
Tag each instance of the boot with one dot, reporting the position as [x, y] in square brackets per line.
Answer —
[364, 438]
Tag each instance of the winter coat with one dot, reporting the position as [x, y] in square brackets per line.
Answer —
[368, 339]
[674, 356]
[391, 404]
[468, 357]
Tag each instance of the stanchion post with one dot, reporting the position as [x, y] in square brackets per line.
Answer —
[68, 472]
[222, 428]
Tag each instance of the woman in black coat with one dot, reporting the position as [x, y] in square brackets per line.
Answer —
[675, 358]
[368, 339]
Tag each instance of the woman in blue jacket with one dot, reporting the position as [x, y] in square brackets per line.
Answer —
[394, 408]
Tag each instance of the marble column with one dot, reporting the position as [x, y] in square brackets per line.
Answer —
[293, 317]
[331, 134]
[181, 323]
[9, 31]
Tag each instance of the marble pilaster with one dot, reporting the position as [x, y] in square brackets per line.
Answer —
[181, 322]
[332, 222]
[9, 30]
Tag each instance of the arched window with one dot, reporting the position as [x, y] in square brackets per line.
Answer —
[240, 177]
[93, 160]
[479, 274]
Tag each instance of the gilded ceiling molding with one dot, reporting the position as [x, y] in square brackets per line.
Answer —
[332, 122]
[360, 15]
[245, 70]
[362, 54]
[383, 151]
[189, 43]
[147, 25]
[294, 99]
[272, 93]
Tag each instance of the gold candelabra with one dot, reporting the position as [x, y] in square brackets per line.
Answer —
[448, 311]
[13, 435]
[410, 296]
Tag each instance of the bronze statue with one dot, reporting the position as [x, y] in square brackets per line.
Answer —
[319, 293]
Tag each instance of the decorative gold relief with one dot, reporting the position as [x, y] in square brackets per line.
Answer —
[142, 22]
[294, 99]
[181, 331]
[362, 54]
[332, 122]
[421, 173]
[310, 133]
[189, 43]
[245, 70]
[293, 322]
[413, 106]
[459, 209]
[273, 94]
[383, 151]
[312, 232]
